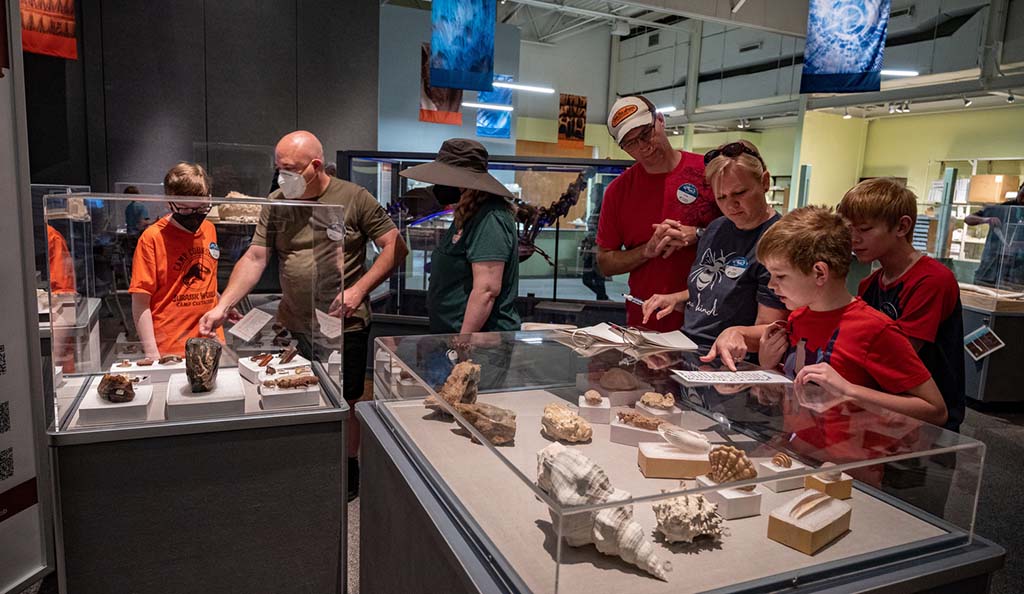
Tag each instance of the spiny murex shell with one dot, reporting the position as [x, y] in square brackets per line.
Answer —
[730, 464]
[461, 386]
[559, 422]
[618, 379]
[684, 518]
[572, 479]
[497, 424]
[684, 440]
[658, 401]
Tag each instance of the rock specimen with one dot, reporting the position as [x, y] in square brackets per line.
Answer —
[115, 387]
[659, 401]
[288, 354]
[730, 464]
[497, 424]
[684, 440]
[125, 363]
[144, 362]
[573, 480]
[618, 380]
[169, 360]
[638, 420]
[687, 517]
[292, 381]
[561, 422]
[202, 360]
[270, 370]
[461, 386]
[782, 460]
[593, 397]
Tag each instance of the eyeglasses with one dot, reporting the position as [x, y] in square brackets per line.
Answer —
[204, 209]
[732, 150]
[646, 136]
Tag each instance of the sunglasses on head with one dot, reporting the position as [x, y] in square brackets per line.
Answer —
[732, 150]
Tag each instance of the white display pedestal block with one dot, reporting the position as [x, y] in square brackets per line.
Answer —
[600, 414]
[781, 485]
[672, 415]
[156, 372]
[732, 503]
[630, 435]
[250, 370]
[275, 398]
[664, 460]
[226, 398]
[95, 410]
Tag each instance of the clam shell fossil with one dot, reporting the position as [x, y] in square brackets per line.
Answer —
[782, 460]
[684, 440]
[573, 479]
[684, 518]
[730, 464]
[618, 379]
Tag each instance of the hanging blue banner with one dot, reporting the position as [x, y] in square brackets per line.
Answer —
[493, 123]
[462, 44]
[845, 44]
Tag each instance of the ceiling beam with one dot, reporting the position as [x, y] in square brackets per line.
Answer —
[788, 17]
[568, 9]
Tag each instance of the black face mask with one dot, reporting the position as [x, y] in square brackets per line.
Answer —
[189, 221]
[447, 194]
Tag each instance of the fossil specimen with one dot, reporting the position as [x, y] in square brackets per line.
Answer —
[572, 479]
[125, 363]
[618, 379]
[202, 360]
[782, 460]
[559, 422]
[810, 501]
[828, 473]
[144, 362]
[115, 387]
[461, 386]
[287, 355]
[497, 424]
[684, 440]
[264, 361]
[593, 397]
[638, 420]
[730, 464]
[292, 381]
[169, 360]
[257, 357]
[270, 370]
[659, 401]
[684, 518]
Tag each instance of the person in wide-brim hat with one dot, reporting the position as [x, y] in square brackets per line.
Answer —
[474, 276]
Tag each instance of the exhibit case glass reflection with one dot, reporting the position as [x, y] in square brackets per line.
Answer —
[576, 468]
[554, 215]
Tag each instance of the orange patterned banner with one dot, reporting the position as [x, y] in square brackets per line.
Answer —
[572, 120]
[48, 27]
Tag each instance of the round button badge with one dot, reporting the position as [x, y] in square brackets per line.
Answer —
[336, 231]
[687, 194]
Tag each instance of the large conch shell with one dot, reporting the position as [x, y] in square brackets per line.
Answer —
[572, 479]
[684, 440]
[684, 518]
[730, 464]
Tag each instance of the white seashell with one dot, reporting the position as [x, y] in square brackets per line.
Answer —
[684, 518]
[573, 479]
[684, 440]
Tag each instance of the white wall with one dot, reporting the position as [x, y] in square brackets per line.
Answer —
[402, 31]
[578, 65]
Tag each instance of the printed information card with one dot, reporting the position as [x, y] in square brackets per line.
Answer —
[705, 378]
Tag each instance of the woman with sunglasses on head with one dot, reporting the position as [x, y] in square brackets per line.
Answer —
[174, 270]
[728, 303]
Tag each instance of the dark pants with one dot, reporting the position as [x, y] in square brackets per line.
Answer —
[353, 360]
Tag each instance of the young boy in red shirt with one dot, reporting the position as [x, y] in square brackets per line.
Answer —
[916, 291]
[836, 340]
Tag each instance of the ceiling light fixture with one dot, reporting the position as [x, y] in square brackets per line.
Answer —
[528, 88]
[846, 113]
[666, 109]
[967, 102]
[900, 73]
[492, 106]
[1009, 97]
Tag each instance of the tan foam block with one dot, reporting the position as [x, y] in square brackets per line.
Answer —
[841, 489]
[662, 460]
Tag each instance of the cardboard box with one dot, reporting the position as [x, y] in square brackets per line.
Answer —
[992, 188]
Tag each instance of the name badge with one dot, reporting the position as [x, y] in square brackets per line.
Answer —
[336, 231]
[735, 267]
[214, 250]
[687, 194]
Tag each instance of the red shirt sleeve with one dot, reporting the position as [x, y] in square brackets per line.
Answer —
[893, 363]
[609, 231]
[927, 304]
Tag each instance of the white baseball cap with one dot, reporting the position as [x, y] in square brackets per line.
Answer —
[628, 113]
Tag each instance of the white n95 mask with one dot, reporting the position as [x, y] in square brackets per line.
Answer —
[292, 185]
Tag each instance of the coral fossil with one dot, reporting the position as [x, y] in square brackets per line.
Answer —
[730, 464]
[559, 422]
[659, 401]
[638, 420]
[684, 518]
[573, 480]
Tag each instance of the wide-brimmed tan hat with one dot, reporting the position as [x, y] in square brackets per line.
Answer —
[461, 163]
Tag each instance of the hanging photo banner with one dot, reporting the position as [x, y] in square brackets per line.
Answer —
[845, 44]
[462, 44]
[572, 120]
[494, 123]
[48, 27]
[437, 105]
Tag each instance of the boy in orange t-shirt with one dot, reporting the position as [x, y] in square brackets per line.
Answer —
[174, 271]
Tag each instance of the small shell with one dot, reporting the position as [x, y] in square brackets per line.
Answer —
[782, 460]
[684, 440]
[730, 464]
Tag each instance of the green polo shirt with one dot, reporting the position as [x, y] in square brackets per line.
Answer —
[490, 236]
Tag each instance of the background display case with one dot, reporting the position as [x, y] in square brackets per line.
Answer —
[189, 451]
[910, 505]
[564, 286]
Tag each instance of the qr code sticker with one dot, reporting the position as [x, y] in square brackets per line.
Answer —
[6, 464]
[5, 416]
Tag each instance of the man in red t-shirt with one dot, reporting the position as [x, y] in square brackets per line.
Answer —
[664, 185]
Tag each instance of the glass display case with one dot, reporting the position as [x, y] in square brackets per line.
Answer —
[594, 470]
[563, 266]
[123, 308]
